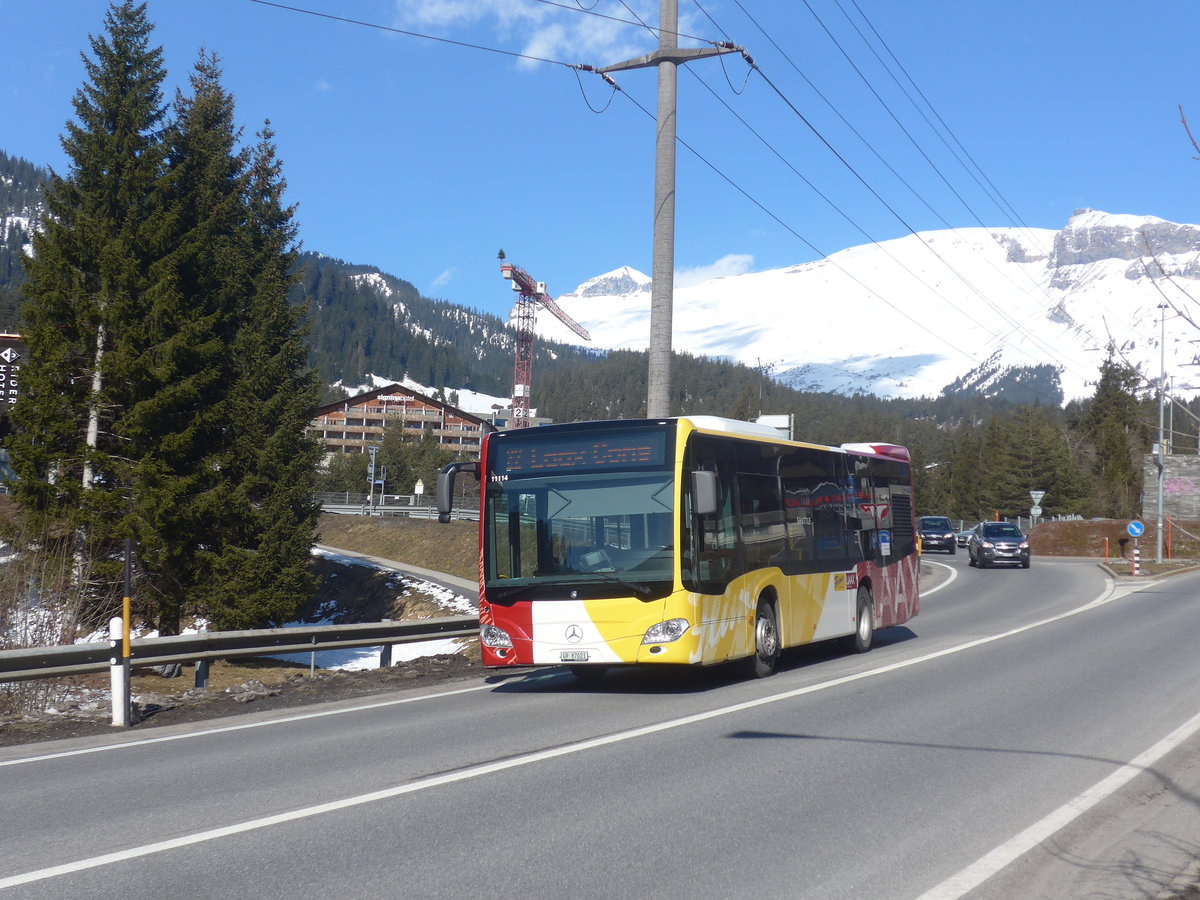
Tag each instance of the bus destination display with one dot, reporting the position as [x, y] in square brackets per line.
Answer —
[635, 450]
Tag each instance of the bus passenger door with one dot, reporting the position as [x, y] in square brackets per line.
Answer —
[714, 546]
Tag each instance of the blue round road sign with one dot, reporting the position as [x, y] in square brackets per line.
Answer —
[1136, 529]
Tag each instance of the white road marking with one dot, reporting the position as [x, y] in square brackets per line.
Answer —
[142, 742]
[949, 581]
[301, 716]
[988, 865]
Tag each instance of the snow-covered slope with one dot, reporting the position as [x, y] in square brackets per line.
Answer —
[907, 317]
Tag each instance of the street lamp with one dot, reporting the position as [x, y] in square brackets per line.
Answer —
[371, 481]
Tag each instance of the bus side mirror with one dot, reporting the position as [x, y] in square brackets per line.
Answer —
[445, 487]
[704, 492]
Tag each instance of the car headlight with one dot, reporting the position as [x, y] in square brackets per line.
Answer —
[947, 535]
[665, 632]
[1024, 545]
[988, 544]
[491, 636]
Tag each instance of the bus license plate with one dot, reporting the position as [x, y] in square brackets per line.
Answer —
[573, 656]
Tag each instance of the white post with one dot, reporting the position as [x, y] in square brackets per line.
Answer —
[118, 670]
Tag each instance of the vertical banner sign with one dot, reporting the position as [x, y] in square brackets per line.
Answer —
[12, 355]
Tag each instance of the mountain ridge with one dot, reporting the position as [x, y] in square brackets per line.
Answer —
[922, 314]
[1017, 313]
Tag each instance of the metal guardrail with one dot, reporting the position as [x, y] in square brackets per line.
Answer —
[78, 659]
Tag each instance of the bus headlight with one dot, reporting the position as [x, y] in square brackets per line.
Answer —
[491, 636]
[665, 632]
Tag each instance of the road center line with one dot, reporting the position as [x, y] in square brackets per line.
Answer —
[1110, 593]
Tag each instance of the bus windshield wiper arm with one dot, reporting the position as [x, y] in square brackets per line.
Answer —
[508, 592]
[633, 586]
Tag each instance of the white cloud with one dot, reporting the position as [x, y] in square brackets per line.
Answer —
[543, 31]
[443, 279]
[730, 264]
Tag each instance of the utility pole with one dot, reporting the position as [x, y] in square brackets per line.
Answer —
[662, 279]
[1160, 459]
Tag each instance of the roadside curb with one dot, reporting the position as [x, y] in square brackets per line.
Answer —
[1186, 884]
[1126, 579]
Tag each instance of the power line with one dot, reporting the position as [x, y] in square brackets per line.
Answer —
[417, 34]
[728, 180]
[1015, 325]
[576, 67]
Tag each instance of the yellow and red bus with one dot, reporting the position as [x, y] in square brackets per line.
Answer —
[692, 540]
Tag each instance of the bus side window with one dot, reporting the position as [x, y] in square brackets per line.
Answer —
[717, 556]
[761, 520]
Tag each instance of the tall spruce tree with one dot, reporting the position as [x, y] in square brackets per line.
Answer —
[167, 390]
[263, 573]
[86, 287]
[180, 370]
[1116, 431]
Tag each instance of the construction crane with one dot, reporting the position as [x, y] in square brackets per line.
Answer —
[531, 294]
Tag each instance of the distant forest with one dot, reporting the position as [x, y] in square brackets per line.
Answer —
[977, 451]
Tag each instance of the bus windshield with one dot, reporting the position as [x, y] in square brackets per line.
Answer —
[580, 528]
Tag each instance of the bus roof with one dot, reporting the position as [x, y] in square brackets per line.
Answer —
[893, 451]
[733, 427]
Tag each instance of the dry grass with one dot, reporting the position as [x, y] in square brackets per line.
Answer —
[452, 548]
[1107, 539]
[362, 595]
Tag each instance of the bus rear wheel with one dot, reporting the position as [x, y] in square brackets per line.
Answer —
[766, 640]
[864, 625]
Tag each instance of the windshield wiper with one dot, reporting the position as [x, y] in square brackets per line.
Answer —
[633, 586]
[499, 595]
[508, 592]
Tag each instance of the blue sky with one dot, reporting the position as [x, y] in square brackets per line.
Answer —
[425, 157]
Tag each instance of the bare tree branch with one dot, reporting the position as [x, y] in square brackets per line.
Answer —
[1183, 119]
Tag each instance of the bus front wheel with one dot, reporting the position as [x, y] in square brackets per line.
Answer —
[766, 640]
[864, 627]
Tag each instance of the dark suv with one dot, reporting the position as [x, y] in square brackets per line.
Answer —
[994, 542]
[936, 533]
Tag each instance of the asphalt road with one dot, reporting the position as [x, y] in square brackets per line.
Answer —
[982, 750]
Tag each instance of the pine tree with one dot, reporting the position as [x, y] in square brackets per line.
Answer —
[263, 576]
[1116, 432]
[179, 366]
[969, 468]
[1044, 462]
[87, 281]
[167, 390]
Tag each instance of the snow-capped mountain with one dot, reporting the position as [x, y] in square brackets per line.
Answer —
[910, 316]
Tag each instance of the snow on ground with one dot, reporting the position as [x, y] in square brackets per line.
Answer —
[354, 658]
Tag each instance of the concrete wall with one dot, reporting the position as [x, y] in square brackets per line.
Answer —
[1181, 487]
